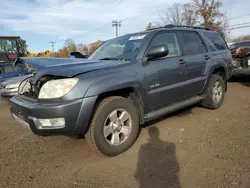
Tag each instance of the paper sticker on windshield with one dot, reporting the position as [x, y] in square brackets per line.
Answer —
[139, 37]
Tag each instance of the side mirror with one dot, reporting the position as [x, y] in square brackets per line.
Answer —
[157, 52]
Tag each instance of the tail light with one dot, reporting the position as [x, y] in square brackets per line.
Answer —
[14, 56]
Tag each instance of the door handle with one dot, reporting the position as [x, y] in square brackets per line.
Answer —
[182, 62]
[207, 57]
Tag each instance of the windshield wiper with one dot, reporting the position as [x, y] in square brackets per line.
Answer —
[109, 58]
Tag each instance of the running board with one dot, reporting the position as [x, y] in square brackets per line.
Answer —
[174, 107]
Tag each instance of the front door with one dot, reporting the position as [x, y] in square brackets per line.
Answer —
[165, 76]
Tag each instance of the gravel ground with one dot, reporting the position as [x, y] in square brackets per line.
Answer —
[193, 148]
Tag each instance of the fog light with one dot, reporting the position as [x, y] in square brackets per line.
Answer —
[54, 123]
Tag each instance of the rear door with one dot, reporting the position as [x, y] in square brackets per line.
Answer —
[197, 56]
[164, 77]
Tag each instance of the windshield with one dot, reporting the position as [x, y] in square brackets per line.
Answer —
[122, 48]
[7, 45]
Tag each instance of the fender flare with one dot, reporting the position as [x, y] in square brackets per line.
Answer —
[119, 82]
[210, 73]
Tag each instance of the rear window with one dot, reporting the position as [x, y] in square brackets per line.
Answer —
[217, 40]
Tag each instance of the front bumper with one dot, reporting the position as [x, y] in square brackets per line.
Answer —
[76, 114]
[241, 72]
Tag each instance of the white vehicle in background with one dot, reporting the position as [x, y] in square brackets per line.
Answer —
[9, 88]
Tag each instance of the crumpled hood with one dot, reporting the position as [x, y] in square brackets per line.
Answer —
[67, 67]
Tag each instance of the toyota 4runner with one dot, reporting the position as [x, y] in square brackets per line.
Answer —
[126, 82]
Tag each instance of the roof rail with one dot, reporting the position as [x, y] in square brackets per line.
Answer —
[186, 26]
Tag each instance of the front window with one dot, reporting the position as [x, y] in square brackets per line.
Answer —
[7, 45]
[122, 48]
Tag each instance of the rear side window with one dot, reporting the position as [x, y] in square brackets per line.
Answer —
[217, 40]
[8, 69]
[170, 40]
[192, 43]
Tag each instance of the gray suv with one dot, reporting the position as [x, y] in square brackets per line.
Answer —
[126, 82]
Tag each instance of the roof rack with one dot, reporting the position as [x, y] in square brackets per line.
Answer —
[185, 26]
[9, 37]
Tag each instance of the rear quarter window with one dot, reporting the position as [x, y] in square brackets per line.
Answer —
[217, 40]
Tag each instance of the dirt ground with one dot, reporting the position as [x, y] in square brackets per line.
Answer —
[196, 148]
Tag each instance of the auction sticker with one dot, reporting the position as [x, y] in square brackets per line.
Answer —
[138, 37]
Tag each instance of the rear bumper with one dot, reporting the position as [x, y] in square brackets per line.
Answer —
[241, 72]
[76, 114]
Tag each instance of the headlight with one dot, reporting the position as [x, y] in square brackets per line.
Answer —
[11, 86]
[57, 88]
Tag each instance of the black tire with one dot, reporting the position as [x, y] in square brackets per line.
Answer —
[209, 102]
[95, 136]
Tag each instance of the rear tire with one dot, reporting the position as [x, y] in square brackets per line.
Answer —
[114, 126]
[215, 93]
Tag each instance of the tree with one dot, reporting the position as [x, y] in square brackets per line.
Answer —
[189, 14]
[149, 26]
[179, 14]
[241, 38]
[83, 48]
[211, 15]
[93, 46]
[23, 47]
[70, 44]
[47, 53]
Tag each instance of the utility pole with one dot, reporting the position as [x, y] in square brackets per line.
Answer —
[116, 24]
[52, 44]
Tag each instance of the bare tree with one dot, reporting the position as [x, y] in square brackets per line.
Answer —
[70, 44]
[211, 16]
[179, 14]
[208, 10]
[189, 14]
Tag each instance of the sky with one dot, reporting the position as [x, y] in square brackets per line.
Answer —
[86, 21]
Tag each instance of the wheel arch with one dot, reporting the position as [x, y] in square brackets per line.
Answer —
[132, 93]
[217, 69]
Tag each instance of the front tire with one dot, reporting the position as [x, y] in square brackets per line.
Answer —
[215, 93]
[114, 126]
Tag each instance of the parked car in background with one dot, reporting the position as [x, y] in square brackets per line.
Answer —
[241, 58]
[9, 88]
[8, 70]
[242, 44]
[126, 82]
